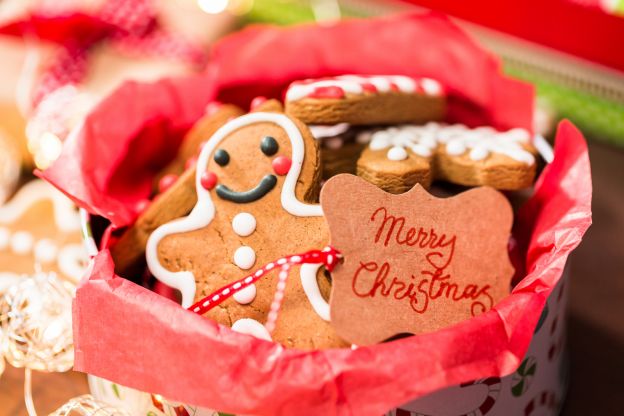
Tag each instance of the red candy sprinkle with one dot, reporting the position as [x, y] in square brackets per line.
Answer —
[257, 102]
[166, 182]
[208, 180]
[213, 107]
[190, 163]
[281, 165]
[328, 92]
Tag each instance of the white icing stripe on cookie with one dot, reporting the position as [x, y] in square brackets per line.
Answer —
[457, 139]
[308, 274]
[204, 211]
[65, 216]
[358, 84]
[252, 327]
[322, 131]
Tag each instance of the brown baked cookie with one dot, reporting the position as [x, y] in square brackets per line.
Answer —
[258, 179]
[366, 100]
[40, 231]
[397, 158]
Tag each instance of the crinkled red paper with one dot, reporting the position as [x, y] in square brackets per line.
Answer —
[137, 338]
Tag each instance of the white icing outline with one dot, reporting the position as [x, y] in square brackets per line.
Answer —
[308, 274]
[204, 211]
[65, 217]
[251, 327]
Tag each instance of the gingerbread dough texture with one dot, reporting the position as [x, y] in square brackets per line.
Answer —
[257, 182]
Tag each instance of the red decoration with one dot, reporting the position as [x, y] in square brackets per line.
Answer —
[281, 165]
[166, 182]
[208, 180]
[190, 163]
[329, 256]
[256, 102]
[328, 92]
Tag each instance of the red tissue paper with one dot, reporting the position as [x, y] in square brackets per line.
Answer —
[127, 334]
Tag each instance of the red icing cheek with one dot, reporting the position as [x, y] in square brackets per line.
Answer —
[208, 180]
[281, 165]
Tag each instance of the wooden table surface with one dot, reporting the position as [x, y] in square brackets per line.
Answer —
[596, 318]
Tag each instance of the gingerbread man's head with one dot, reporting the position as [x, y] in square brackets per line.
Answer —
[255, 177]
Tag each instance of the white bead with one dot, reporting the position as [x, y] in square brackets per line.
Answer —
[246, 295]
[251, 327]
[397, 153]
[5, 237]
[46, 251]
[244, 224]
[244, 257]
[455, 147]
[430, 86]
[378, 143]
[22, 242]
[421, 150]
[479, 153]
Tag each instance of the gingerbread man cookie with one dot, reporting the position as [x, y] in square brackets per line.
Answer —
[399, 157]
[366, 100]
[257, 179]
[40, 231]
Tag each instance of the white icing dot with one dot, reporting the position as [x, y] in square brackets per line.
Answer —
[251, 327]
[364, 137]
[244, 224]
[5, 238]
[421, 150]
[479, 153]
[379, 140]
[246, 295]
[244, 257]
[455, 147]
[72, 260]
[397, 153]
[333, 143]
[431, 87]
[323, 131]
[22, 242]
[46, 251]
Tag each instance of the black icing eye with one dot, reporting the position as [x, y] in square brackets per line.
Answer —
[221, 157]
[269, 146]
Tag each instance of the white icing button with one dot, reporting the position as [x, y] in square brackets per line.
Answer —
[244, 224]
[246, 295]
[5, 237]
[397, 153]
[251, 327]
[244, 257]
[455, 147]
[22, 242]
[45, 251]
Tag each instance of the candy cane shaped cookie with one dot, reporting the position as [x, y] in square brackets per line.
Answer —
[366, 100]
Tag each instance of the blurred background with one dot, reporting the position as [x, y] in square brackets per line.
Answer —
[52, 71]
